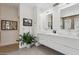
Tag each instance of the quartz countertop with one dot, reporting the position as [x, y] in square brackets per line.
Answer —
[61, 35]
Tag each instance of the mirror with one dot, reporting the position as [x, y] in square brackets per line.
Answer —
[70, 17]
[68, 22]
[8, 25]
[50, 21]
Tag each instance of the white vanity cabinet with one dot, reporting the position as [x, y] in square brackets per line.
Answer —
[60, 43]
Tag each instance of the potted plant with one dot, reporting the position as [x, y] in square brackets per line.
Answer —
[26, 40]
[36, 43]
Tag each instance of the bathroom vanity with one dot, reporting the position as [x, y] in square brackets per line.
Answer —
[62, 43]
[65, 20]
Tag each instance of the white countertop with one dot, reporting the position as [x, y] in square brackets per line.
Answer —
[61, 35]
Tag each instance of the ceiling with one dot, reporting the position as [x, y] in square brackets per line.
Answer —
[11, 4]
[44, 6]
[41, 6]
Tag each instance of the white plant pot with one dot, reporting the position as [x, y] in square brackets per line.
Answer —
[37, 44]
[28, 45]
[24, 45]
[20, 46]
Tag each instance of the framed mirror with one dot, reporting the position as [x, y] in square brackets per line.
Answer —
[50, 21]
[27, 22]
[8, 25]
[68, 22]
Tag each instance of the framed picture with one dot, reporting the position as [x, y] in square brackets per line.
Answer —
[27, 22]
[8, 25]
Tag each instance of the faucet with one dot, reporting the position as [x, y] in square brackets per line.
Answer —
[54, 31]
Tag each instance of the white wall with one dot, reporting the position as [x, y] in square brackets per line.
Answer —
[8, 13]
[26, 11]
[42, 19]
[34, 27]
[72, 10]
[39, 21]
[56, 18]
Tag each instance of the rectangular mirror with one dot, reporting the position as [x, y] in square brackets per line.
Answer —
[8, 25]
[50, 21]
[70, 17]
[68, 22]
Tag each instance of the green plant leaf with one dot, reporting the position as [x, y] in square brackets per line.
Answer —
[27, 38]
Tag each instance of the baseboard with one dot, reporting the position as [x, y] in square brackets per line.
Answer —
[10, 47]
